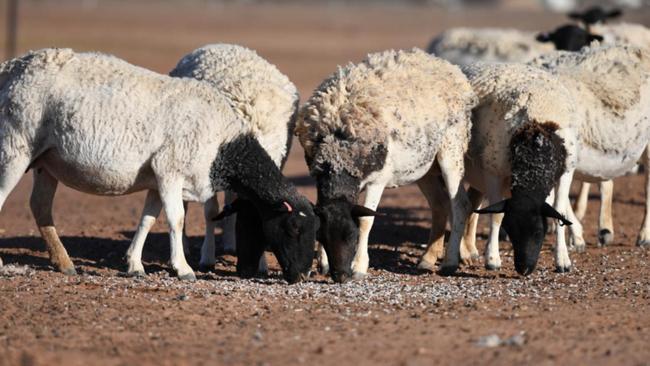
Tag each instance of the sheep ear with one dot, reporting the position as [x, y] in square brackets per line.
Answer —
[548, 211]
[499, 207]
[595, 37]
[285, 207]
[614, 13]
[228, 210]
[543, 37]
[361, 211]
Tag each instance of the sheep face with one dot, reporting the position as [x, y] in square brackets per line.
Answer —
[569, 38]
[339, 234]
[289, 229]
[525, 222]
[291, 233]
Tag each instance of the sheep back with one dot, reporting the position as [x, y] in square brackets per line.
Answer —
[258, 91]
[391, 95]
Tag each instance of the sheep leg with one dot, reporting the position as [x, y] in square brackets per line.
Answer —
[492, 257]
[10, 173]
[451, 165]
[433, 190]
[41, 204]
[605, 221]
[323, 262]
[469, 237]
[644, 234]
[562, 205]
[361, 260]
[583, 199]
[228, 238]
[150, 212]
[171, 195]
[208, 259]
[186, 239]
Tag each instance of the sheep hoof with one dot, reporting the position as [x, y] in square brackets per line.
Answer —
[69, 271]
[605, 237]
[427, 266]
[475, 257]
[359, 275]
[643, 243]
[448, 269]
[187, 277]
[492, 267]
[136, 274]
[562, 269]
[324, 269]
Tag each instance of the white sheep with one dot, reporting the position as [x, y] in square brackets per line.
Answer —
[103, 126]
[596, 104]
[463, 46]
[261, 96]
[396, 118]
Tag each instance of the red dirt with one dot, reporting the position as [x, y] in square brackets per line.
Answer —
[596, 314]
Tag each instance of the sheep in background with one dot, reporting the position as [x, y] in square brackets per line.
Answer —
[395, 118]
[106, 127]
[261, 96]
[462, 46]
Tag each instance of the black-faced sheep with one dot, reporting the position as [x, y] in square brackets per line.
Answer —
[103, 126]
[395, 118]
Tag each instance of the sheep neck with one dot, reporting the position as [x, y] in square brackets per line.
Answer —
[243, 166]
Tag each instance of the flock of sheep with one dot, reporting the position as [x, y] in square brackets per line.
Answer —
[487, 113]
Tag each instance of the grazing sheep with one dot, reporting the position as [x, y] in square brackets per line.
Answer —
[462, 46]
[593, 103]
[610, 34]
[103, 126]
[395, 118]
[261, 96]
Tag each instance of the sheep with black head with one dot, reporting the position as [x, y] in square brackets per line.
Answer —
[396, 118]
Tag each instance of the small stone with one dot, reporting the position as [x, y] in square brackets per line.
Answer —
[489, 341]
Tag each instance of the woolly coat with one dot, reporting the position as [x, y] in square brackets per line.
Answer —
[259, 93]
[610, 89]
[103, 126]
[389, 114]
[623, 33]
[512, 97]
[462, 46]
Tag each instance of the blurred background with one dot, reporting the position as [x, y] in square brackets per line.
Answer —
[306, 39]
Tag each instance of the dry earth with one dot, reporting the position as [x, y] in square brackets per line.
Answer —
[596, 314]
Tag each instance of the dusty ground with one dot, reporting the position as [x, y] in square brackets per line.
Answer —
[597, 314]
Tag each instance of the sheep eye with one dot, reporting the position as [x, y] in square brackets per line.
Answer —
[302, 214]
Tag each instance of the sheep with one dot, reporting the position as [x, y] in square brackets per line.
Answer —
[395, 118]
[263, 97]
[103, 126]
[462, 46]
[592, 103]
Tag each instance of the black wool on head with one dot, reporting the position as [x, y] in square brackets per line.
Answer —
[538, 159]
[243, 166]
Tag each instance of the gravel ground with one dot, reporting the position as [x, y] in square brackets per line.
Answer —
[597, 314]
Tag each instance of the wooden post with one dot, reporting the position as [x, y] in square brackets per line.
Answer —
[12, 28]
